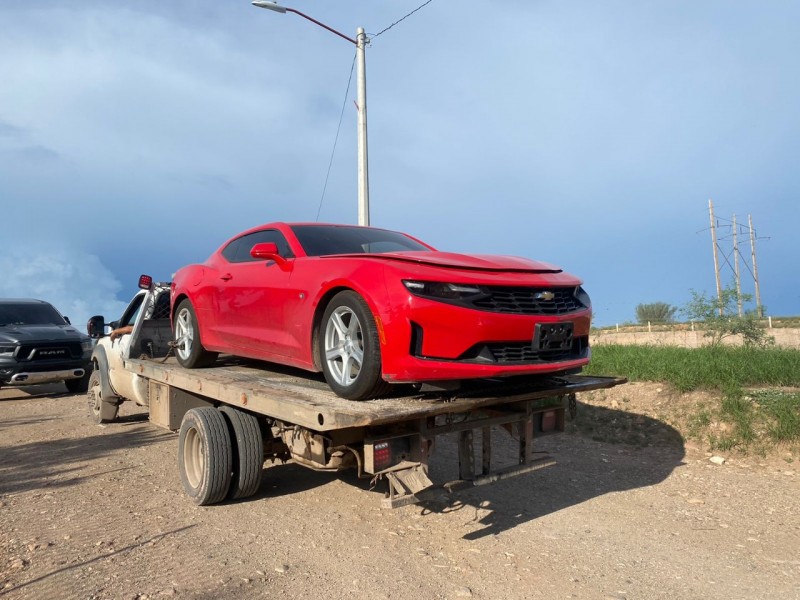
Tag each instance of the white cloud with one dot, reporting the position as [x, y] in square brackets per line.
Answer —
[149, 132]
[75, 282]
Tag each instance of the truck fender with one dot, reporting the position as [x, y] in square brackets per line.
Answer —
[99, 358]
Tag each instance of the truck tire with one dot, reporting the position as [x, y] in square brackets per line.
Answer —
[188, 346]
[248, 452]
[100, 410]
[78, 386]
[349, 348]
[205, 455]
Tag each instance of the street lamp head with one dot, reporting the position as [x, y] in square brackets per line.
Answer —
[270, 5]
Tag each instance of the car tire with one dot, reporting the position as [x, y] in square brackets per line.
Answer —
[248, 452]
[186, 334]
[78, 386]
[349, 348]
[100, 410]
[205, 455]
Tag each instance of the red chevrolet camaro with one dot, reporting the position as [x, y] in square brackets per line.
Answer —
[369, 307]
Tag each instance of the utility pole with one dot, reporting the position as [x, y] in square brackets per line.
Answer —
[361, 82]
[716, 259]
[363, 164]
[736, 269]
[759, 308]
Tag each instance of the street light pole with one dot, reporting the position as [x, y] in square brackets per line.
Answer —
[363, 160]
[361, 83]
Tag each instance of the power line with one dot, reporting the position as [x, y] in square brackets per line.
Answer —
[336, 139]
[382, 31]
[344, 103]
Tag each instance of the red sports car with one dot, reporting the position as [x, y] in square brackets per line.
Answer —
[369, 307]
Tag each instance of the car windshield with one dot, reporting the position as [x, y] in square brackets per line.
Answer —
[24, 313]
[320, 240]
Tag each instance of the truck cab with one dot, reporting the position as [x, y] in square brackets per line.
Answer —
[39, 345]
[148, 318]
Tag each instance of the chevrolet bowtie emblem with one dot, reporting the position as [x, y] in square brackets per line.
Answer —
[546, 296]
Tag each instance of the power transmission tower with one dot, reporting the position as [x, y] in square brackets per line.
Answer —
[716, 258]
[715, 240]
[759, 308]
[736, 270]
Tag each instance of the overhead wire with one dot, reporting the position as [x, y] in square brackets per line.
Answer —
[421, 6]
[336, 139]
[344, 103]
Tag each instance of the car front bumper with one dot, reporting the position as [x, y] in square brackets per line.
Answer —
[432, 340]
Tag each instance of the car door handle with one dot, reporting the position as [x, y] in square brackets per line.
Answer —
[226, 277]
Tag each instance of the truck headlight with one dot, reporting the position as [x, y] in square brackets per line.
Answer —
[86, 345]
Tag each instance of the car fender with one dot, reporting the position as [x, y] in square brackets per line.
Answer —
[101, 359]
[374, 294]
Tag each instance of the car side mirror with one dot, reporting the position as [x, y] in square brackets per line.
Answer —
[267, 251]
[96, 327]
[67, 320]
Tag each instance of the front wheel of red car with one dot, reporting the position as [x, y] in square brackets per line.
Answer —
[188, 348]
[349, 348]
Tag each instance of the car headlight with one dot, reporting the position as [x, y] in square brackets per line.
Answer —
[6, 350]
[441, 291]
[583, 297]
[86, 345]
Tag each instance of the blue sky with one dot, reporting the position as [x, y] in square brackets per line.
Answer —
[136, 137]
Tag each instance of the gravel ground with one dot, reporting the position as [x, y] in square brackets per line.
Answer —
[96, 512]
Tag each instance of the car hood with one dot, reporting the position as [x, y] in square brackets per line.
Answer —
[39, 333]
[476, 262]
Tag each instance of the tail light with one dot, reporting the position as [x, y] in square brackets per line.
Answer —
[383, 453]
[145, 281]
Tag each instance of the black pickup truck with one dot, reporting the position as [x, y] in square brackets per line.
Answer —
[38, 345]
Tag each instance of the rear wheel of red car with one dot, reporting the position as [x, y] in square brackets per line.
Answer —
[350, 351]
[188, 347]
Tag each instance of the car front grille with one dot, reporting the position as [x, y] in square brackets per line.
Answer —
[528, 300]
[49, 351]
[524, 353]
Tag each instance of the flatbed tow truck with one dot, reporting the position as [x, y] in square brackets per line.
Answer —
[234, 416]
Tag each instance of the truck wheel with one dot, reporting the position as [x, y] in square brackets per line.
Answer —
[100, 410]
[78, 386]
[188, 347]
[205, 456]
[248, 452]
[349, 348]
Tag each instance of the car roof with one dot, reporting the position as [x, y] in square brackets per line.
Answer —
[22, 301]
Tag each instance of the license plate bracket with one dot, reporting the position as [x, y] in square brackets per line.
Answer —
[552, 337]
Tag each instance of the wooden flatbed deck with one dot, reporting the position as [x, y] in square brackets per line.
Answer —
[305, 399]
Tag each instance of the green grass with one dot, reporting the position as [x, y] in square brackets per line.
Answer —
[755, 419]
[783, 414]
[758, 420]
[724, 368]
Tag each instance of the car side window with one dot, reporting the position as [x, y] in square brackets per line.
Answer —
[246, 243]
[229, 252]
[129, 318]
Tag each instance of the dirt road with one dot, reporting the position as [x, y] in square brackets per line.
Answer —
[96, 512]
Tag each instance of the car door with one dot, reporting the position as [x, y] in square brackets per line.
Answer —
[250, 297]
[120, 378]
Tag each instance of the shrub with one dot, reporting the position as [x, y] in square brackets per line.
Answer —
[655, 312]
[720, 318]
